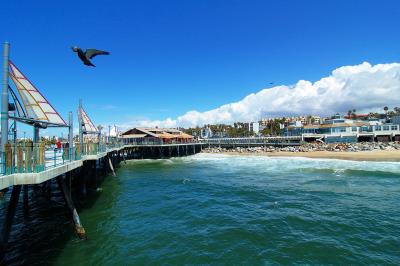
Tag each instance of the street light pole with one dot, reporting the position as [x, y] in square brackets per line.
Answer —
[4, 99]
[71, 136]
[80, 124]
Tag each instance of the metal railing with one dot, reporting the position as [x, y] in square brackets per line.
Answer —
[156, 142]
[37, 157]
[32, 158]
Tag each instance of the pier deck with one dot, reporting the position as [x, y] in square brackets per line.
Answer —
[55, 164]
[58, 166]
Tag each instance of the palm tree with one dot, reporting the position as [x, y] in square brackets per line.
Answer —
[349, 113]
[354, 113]
[371, 115]
[386, 111]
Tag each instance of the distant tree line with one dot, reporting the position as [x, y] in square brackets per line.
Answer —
[273, 126]
[238, 129]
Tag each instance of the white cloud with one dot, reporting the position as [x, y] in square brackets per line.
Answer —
[363, 87]
[167, 123]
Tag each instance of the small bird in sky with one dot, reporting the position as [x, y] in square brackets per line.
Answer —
[88, 54]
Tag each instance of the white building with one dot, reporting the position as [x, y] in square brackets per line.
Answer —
[254, 127]
[206, 133]
[338, 129]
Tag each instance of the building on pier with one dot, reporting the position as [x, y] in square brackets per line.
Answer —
[143, 135]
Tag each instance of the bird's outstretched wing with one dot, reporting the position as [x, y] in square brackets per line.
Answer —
[90, 53]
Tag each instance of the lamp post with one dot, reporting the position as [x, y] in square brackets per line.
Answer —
[4, 100]
[71, 136]
[80, 122]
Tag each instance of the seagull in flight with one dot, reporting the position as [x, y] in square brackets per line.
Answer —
[88, 54]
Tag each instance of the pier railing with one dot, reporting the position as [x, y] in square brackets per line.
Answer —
[156, 142]
[32, 158]
[37, 157]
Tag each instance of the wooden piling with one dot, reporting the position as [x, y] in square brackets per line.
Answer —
[26, 199]
[80, 231]
[111, 167]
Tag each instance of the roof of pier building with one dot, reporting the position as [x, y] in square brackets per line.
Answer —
[161, 133]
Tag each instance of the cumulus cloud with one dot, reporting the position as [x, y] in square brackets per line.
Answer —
[363, 87]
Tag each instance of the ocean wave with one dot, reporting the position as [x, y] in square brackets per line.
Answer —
[289, 164]
[277, 165]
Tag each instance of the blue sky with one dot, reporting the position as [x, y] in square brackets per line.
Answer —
[170, 57]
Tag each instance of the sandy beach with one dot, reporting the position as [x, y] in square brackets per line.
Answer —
[380, 155]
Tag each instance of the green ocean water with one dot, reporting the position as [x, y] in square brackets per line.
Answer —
[233, 210]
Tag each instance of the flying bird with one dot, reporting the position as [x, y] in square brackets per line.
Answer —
[88, 54]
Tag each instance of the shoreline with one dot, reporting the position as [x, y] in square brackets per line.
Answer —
[377, 156]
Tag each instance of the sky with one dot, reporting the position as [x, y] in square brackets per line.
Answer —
[178, 63]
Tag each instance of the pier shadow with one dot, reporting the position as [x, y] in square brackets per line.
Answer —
[39, 235]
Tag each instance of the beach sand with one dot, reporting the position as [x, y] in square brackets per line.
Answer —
[379, 155]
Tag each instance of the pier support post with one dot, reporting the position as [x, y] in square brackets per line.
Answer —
[5, 231]
[95, 174]
[111, 167]
[26, 199]
[68, 180]
[83, 180]
[105, 165]
[80, 231]
[48, 189]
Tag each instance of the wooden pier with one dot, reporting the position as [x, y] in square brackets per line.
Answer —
[83, 173]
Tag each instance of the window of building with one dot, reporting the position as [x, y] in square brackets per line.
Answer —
[338, 129]
[386, 128]
[378, 128]
[336, 121]
[394, 127]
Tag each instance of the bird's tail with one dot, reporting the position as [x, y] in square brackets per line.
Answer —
[89, 64]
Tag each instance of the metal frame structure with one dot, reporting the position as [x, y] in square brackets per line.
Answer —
[82, 127]
[21, 113]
